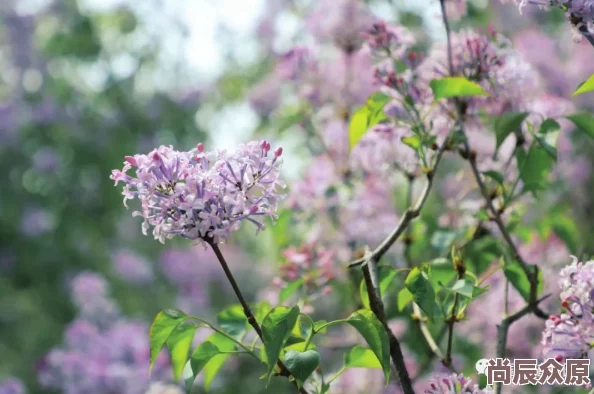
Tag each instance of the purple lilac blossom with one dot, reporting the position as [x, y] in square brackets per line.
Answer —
[202, 195]
[571, 334]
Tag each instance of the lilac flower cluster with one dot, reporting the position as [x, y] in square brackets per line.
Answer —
[571, 334]
[455, 384]
[12, 386]
[203, 195]
[100, 355]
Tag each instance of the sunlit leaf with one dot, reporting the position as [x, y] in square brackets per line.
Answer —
[162, 327]
[179, 343]
[360, 357]
[455, 87]
[585, 87]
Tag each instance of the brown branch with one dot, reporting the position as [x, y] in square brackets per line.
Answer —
[248, 312]
[377, 307]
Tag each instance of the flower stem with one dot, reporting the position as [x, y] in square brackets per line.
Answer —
[246, 309]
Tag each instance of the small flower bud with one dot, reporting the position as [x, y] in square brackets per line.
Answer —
[131, 160]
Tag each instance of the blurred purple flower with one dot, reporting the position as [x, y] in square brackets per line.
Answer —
[341, 22]
[90, 294]
[102, 352]
[37, 221]
[132, 267]
[12, 386]
[46, 160]
[264, 97]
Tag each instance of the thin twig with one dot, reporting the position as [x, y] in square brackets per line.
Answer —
[503, 328]
[247, 311]
[377, 307]
[411, 213]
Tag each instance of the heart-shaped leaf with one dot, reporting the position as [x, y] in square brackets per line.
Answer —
[302, 364]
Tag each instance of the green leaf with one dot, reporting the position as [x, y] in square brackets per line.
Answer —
[276, 329]
[162, 327]
[367, 116]
[318, 324]
[516, 276]
[179, 344]
[495, 175]
[288, 290]
[565, 228]
[414, 141]
[547, 137]
[463, 287]
[375, 335]
[358, 126]
[200, 357]
[212, 367]
[302, 364]
[507, 124]
[361, 357]
[422, 291]
[386, 277]
[535, 167]
[404, 298]
[583, 121]
[233, 321]
[585, 87]
[455, 87]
